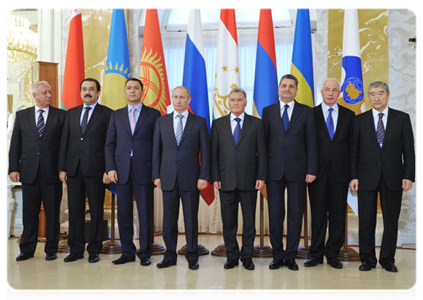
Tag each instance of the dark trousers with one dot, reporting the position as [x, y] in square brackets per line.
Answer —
[367, 211]
[125, 208]
[276, 202]
[229, 202]
[328, 201]
[80, 186]
[50, 195]
[190, 202]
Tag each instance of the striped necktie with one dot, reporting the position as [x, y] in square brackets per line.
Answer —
[380, 130]
[179, 129]
[40, 122]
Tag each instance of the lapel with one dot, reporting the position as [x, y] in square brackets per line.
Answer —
[122, 117]
[321, 122]
[143, 116]
[244, 129]
[32, 120]
[168, 127]
[50, 120]
[77, 117]
[94, 116]
[390, 126]
[298, 109]
[227, 130]
[188, 126]
[276, 115]
[371, 124]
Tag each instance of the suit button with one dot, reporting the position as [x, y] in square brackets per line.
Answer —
[82, 139]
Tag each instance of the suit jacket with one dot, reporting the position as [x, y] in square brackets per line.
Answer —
[339, 149]
[292, 153]
[173, 163]
[238, 166]
[395, 160]
[28, 151]
[120, 142]
[85, 150]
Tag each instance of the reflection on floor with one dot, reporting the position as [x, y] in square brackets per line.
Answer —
[36, 273]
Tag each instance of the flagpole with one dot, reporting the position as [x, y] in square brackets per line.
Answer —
[262, 250]
[346, 253]
[111, 246]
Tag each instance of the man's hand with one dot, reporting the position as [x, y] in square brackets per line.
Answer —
[15, 176]
[201, 184]
[157, 183]
[310, 178]
[407, 185]
[217, 184]
[259, 184]
[354, 185]
[106, 179]
[113, 176]
[63, 177]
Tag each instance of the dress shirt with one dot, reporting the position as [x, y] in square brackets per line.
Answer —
[90, 112]
[176, 120]
[376, 117]
[290, 110]
[335, 113]
[234, 123]
[45, 114]
[138, 109]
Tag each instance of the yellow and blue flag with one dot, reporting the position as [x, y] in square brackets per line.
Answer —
[118, 68]
[302, 58]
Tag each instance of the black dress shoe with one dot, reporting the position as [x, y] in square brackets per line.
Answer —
[165, 264]
[248, 264]
[291, 264]
[367, 266]
[51, 256]
[390, 267]
[276, 264]
[335, 263]
[312, 262]
[123, 260]
[73, 257]
[230, 264]
[193, 265]
[145, 261]
[24, 256]
[94, 258]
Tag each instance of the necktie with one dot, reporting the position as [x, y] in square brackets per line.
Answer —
[380, 129]
[179, 129]
[133, 120]
[237, 130]
[84, 123]
[40, 122]
[329, 124]
[285, 119]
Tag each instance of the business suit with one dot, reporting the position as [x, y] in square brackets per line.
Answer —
[36, 159]
[82, 158]
[381, 169]
[134, 175]
[238, 167]
[179, 168]
[291, 155]
[328, 193]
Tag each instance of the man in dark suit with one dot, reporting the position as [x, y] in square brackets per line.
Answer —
[129, 151]
[292, 163]
[33, 155]
[179, 139]
[82, 167]
[329, 192]
[383, 162]
[239, 167]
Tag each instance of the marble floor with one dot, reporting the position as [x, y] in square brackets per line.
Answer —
[37, 274]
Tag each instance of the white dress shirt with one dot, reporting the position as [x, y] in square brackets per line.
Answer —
[234, 123]
[335, 114]
[176, 120]
[290, 110]
[45, 114]
[90, 112]
[376, 117]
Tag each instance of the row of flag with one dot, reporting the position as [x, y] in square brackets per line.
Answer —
[227, 74]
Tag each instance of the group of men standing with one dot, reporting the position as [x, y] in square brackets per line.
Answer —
[294, 146]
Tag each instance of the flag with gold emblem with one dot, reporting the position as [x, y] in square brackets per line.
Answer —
[153, 68]
[227, 66]
[118, 67]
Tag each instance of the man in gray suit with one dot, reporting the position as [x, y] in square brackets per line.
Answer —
[181, 172]
[239, 168]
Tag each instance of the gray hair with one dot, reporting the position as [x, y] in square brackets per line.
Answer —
[331, 79]
[238, 90]
[34, 88]
[377, 84]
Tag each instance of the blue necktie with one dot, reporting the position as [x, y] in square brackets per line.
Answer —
[285, 119]
[40, 122]
[179, 129]
[237, 130]
[329, 124]
[84, 123]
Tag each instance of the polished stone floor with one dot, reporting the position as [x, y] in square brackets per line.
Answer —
[36, 274]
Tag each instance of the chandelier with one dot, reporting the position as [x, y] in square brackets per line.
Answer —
[21, 40]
